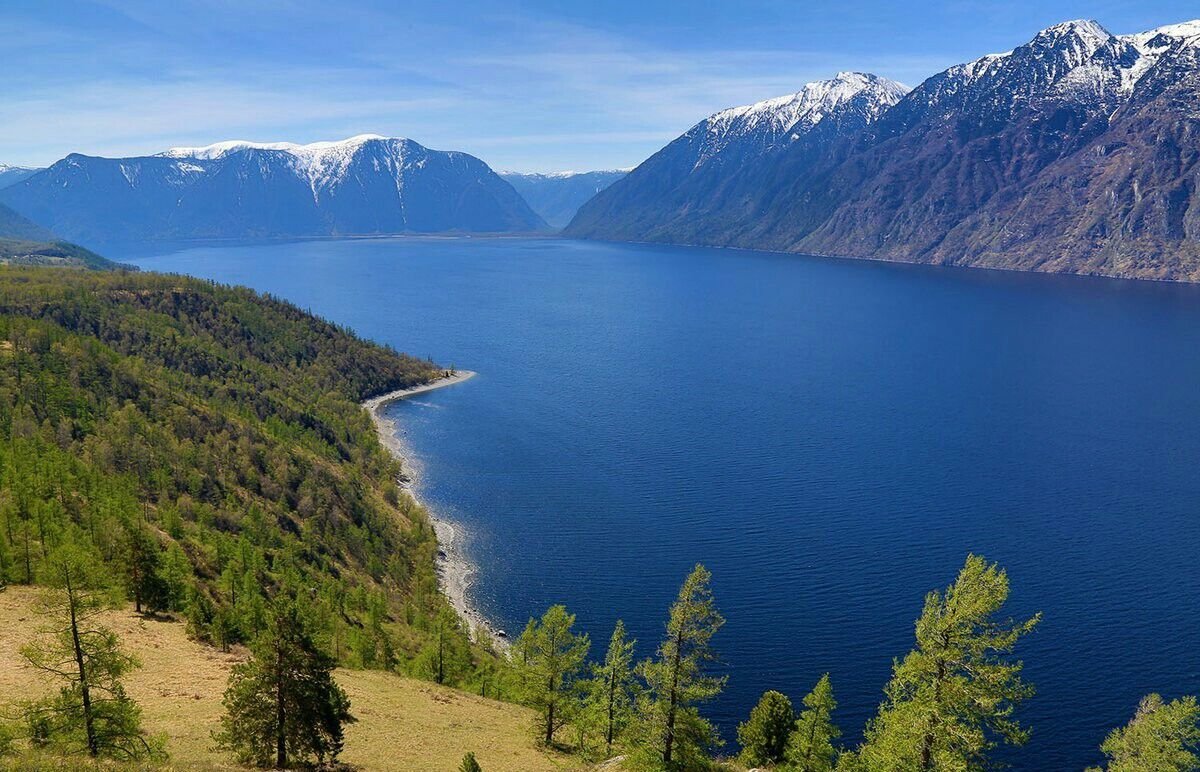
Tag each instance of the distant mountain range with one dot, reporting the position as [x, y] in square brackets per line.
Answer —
[10, 175]
[557, 197]
[1078, 151]
[364, 185]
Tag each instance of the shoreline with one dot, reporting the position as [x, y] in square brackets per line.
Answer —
[455, 571]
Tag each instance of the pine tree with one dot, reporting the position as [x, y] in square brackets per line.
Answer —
[764, 737]
[951, 700]
[811, 746]
[143, 576]
[612, 689]
[469, 764]
[554, 656]
[677, 735]
[1161, 737]
[91, 711]
[283, 706]
[447, 656]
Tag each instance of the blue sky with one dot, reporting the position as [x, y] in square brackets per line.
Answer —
[529, 86]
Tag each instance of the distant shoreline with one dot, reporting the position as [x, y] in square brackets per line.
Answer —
[455, 571]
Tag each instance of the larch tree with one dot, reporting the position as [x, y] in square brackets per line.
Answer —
[91, 711]
[613, 689]
[282, 706]
[811, 747]
[1161, 737]
[951, 700]
[553, 657]
[764, 736]
[677, 736]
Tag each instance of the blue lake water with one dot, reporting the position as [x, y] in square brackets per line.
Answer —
[830, 438]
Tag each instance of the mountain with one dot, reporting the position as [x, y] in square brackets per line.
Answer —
[1075, 152]
[10, 175]
[710, 180]
[14, 226]
[557, 197]
[363, 185]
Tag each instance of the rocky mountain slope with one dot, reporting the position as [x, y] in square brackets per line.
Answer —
[363, 185]
[1074, 152]
[11, 175]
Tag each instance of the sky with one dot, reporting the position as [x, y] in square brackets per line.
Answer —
[526, 86]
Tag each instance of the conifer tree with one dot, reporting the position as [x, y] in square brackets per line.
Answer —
[677, 736]
[91, 711]
[469, 764]
[554, 656]
[283, 707]
[951, 700]
[143, 568]
[811, 746]
[764, 737]
[612, 689]
[1161, 737]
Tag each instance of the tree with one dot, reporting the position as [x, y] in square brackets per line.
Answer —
[469, 764]
[764, 737]
[446, 657]
[143, 576]
[1161, 737]
[613, 688]
[553, 657]
[811, 746]
[91, 710]
[283, 706]
[678, 736]
[952, 699]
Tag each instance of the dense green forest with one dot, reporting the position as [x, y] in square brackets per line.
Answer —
[208, 444]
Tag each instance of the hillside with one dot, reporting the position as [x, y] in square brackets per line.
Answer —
[403, 724]
[55, 253]
[364, 185]
[216, 434]
[14, 226]
[1074, 152]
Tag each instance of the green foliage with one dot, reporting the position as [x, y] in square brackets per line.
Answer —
[1161, 737]
[612, 690]
[91, 712]
[469, 764]
[208, 441]
[446, 658]
[764, 737]
[952, 699]
[811, 748]
[553, 656]
[674, 734]
[282, 706]
[56, 253]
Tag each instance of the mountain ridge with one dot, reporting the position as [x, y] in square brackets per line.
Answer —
[1073, 152]
[367, 185]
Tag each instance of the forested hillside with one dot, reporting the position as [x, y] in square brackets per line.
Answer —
[208, 443]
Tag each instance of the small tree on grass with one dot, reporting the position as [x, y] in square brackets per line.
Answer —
[612, 690]
[469, 764]
[764, 737]
[91, 711]
[811, 746]
[676, 735]
[282, 706]
[1161, 737]
[553, 657]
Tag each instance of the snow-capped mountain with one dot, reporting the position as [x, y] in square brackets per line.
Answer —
[678, 192]
[10, 175]
[557, 196]
[1076, 151]
[363, 185]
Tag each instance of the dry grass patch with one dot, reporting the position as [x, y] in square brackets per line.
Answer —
[403, 724]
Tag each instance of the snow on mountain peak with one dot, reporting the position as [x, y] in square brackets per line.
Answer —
[807, 107]
[220, 149]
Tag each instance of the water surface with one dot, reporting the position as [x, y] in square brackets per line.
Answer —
[830, 438]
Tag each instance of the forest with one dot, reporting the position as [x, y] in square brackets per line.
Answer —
[199, 452]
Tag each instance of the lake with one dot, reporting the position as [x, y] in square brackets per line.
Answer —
[831, 438]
